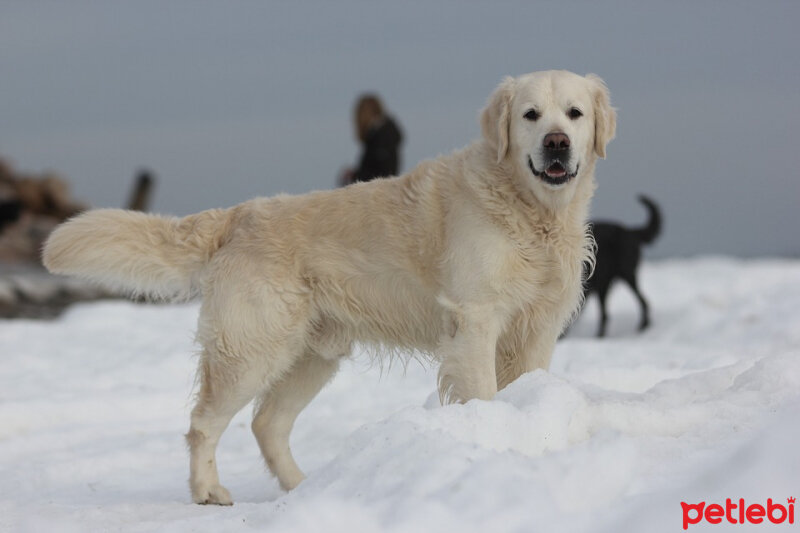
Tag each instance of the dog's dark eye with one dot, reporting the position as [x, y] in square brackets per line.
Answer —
[531, 114]
[575, 113]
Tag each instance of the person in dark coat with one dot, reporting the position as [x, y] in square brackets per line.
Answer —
[380, 137]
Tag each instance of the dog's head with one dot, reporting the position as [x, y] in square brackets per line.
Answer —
[550, 126]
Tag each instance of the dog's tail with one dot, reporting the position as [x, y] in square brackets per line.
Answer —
[648, 233]
[137, 252]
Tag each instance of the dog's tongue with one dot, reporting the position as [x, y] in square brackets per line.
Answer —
[556, 170]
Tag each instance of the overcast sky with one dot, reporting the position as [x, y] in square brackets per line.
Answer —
[229, 100]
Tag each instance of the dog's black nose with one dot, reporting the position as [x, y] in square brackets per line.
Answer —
[555, 141]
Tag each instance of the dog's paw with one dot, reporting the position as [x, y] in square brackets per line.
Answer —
[214, 495]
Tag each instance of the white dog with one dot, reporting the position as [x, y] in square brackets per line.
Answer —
[475, 258]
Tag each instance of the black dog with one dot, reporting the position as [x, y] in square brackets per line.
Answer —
[618, 255]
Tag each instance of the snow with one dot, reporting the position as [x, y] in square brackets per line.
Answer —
[701, 407]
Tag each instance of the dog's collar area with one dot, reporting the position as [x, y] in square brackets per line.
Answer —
[550, 180]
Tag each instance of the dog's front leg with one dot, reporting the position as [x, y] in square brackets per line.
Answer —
[467, 351]
[525, 347]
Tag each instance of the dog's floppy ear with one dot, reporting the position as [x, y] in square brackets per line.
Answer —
[605, 117]
[495, 118]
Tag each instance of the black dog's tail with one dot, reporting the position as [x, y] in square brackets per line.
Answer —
[648, 233]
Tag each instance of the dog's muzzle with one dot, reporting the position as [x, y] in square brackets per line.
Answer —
[555, 172]
[555, 152]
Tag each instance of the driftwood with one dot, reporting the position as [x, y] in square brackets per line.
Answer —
[31, 206]
[139, 200]
[29, 291]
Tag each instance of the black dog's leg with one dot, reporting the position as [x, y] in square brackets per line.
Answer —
[645, 320]
[602, 292]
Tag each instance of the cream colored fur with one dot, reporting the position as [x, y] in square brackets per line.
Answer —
[469, 258]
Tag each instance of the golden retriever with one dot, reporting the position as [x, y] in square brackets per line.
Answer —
[474, 258]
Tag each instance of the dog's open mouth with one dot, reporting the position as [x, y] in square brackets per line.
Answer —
[554, 174]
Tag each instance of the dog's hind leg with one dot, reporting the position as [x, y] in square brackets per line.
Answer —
[245, 350]
[602, 294]
[222, 394]
[226, 385]
[644, 322]
[279, 408]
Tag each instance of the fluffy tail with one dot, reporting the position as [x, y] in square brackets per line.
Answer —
[137, 252]
[648, 233]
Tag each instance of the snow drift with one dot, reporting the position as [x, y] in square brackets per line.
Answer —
[703, 406]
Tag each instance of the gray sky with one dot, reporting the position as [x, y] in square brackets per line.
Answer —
[230, 100]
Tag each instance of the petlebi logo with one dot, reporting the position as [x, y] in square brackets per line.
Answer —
[738, 512]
